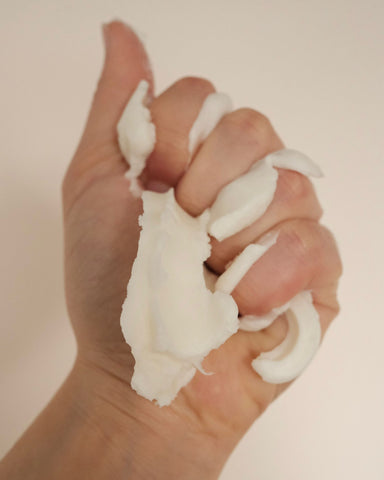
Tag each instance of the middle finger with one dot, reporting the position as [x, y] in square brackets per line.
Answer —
[239, 140]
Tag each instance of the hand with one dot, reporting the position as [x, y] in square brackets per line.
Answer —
[102, 233]
[193, 437]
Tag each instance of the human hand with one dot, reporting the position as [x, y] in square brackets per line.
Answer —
[211, 413]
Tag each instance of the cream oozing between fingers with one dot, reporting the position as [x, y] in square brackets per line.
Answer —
[136, 135]
[175, 311]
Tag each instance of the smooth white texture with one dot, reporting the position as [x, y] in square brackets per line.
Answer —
[254, 323]
[136, 134]
[316, 70]
[243, 200]
[170, 318]
[215, 106]
[294, 160]
[228, 280]
[286, 361]
[246, 198]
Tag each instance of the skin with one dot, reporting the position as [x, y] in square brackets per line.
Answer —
[96, 426]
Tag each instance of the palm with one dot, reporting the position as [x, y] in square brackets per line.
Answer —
[101, 244]
[234, 396]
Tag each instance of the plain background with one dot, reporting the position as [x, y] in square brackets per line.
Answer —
[316, 69]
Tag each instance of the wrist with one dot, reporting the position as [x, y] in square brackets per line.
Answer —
[96, 427]
[142, 440]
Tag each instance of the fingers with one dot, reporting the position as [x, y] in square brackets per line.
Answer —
[305, 257]
[239, 140]
[126, 63]
[294, 197]
[173, 114]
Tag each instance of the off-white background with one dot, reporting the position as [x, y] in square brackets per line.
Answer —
[316, 69]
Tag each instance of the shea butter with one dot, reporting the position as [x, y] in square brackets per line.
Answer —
[246, 198]
[136, 134]
[215, 106]
[286, 361]
[170, 318]
[176, 310]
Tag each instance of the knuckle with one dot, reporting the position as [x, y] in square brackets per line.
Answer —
[249, 125]
[307, 254]
[314, 245]
[295, 186]
[296, 193]
[300, 241]
[195, 84]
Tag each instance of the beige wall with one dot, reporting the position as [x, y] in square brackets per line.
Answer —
[316, 69]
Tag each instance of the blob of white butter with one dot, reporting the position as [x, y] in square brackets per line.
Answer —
[215, 106]
[170, 318]
[236, 270]
[289, 358]
[246, 198]
[290, 159]
[286, 361]
[242, 201]
[136, 134]
[175, 312]
[254, 323]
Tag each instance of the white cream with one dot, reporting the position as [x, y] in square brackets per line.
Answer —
[215, 106]
[254, 323]
[236, 270]
[136, 134]
[176, 311]
[294, 160]
[243, 200]
[170, 318]
[246, 198]
[286, 361]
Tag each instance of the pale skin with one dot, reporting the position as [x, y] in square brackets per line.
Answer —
[96, 426]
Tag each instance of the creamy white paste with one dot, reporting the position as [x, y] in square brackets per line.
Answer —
[286, 361]
[215, 106]
[290, 159]
[170, 318]
[254, 323]
[228, 281]
[136, 134]
[246, 198]
[176, 312]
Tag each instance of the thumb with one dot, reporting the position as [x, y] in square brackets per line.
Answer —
[126, 63]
